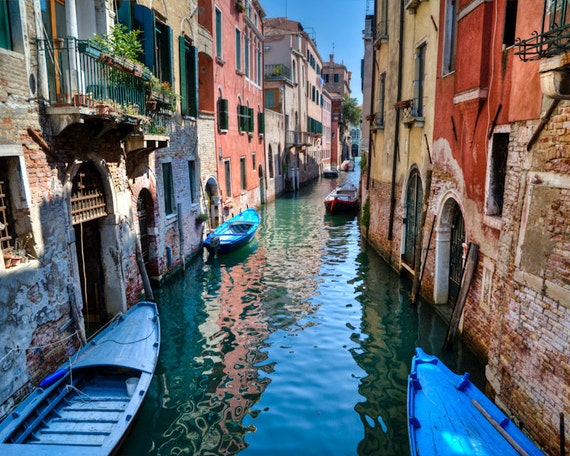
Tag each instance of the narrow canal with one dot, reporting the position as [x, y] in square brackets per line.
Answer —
[299, 344]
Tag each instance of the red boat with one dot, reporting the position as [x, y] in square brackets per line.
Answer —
[342, 199]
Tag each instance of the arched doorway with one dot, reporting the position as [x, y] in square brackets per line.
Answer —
[88, 208]
[450, 241]
[261, 185]
[414, 200]
[213, 201]
[456, 253]
[145, 216]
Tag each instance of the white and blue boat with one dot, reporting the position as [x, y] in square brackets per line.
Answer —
[234, 233]
[448, 415]
[87, 406]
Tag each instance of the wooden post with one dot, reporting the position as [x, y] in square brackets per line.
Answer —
[470, 265]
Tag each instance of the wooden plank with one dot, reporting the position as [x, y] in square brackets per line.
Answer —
[472, 257]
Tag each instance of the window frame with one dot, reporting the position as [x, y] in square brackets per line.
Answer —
[168, 189]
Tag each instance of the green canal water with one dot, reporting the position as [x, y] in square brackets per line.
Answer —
[299, 344]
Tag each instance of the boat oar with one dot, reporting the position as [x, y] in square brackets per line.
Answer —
[498, 427]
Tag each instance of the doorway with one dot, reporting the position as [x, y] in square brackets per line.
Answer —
[414, 201]
[456, 253]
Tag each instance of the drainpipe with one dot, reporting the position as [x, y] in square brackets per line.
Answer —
[370, 148]
[397, 128]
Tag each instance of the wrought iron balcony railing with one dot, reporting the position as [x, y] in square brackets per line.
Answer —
[554, 37]
[277, 72]
[83, 75]
[299, 138]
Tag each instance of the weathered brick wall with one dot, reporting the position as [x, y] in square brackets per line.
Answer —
[377, 232]
[529, 362]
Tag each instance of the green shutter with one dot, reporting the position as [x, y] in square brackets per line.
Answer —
[193, 104]
[261, 123]
[251, 118]
[223, 114]
[183, 75]
[143, 20]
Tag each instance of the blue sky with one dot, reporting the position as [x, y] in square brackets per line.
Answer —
[336, 26]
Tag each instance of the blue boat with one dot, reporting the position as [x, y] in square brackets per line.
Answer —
[448, 415]
[233, 233]
[87, 406]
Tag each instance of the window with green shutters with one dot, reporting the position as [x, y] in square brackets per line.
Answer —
[168, 184]
[188, 78]
[11, 33]
[261, 123]
[223, 114]
[250, 120]
[243, 118]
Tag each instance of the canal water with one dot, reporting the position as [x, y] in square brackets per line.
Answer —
[299, 344]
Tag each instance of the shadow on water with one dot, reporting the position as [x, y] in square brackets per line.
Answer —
[299, 344]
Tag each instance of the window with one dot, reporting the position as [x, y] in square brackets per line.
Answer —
[218, 33]
[336, 77]
[228, 175]
[163, 65]
[497, 173]
[242, 173]
[270, 161]
[238, 50]
[270, 98]
[168, 184]
[10, 26]
[253, 161]
[246, 57]
[15, 224]
[418, 101]
[223, 116]
[188, 78]
[259, 67]
[261, 123]
[245, 119]
[381, 99]
[194, 191]
[449, 36]
[510, 22]
[383, 25]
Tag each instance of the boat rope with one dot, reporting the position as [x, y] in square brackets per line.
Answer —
[36, 347]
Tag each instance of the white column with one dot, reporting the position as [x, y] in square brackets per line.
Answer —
[442, 250]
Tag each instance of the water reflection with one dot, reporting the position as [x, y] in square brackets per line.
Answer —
[300, 344]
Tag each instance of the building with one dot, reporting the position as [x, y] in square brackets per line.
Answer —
[337, 82]
[468, 189]
[99, 171]
[294, 87]
[233, 80]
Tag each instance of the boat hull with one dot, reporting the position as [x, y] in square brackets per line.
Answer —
[447, 415]
[342, 199]
[234, 233]
[89, 409]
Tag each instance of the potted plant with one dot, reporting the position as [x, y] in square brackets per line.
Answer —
[201, 218]
[240, 7]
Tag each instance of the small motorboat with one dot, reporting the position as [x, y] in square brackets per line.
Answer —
[447, 414]
[331, 173]
[88, 405]
[233, 233]
[347, 165]
[342, 199]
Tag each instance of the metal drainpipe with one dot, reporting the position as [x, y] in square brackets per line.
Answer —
[370, 148]
[397, 127]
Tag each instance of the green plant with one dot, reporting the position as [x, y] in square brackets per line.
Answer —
[121, 42]
[202, 217]
[363, 163]
[163, 92]
[365, 214]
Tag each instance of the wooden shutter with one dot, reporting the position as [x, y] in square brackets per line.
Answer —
[261, 123]
[143, 20]
[182, 50]
[193, 103]
[223, 114]
[250, 119]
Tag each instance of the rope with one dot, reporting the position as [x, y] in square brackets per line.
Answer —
[34, 347]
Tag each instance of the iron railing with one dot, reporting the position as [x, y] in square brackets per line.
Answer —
[277, 72]
[298, 138]
[83, 74]
[554, 37]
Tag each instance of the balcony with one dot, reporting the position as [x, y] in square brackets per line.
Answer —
[278, 72]
[87, 83]
[552, 45]
[298, 138]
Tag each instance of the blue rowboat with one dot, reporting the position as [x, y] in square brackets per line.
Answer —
[448, 415]
[87, 406]
[233, 233]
